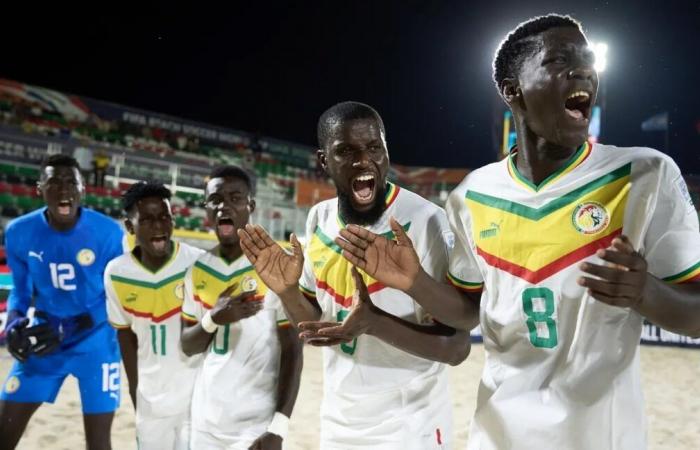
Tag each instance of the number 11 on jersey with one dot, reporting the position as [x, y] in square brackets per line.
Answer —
[540, 324]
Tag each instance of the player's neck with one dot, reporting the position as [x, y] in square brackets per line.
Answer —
[152, 262]
[537, 159]
[230, 252]
[61, 226]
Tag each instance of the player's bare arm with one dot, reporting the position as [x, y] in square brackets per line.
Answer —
[128, 345]
[291, 363]
[396, 264]
[436, 342]
[279, 270]
[195, 339]
[626, 283]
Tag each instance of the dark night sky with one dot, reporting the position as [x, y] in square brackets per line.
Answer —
[273, 67]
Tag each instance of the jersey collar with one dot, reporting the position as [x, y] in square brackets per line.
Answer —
[176, 250]
[574, 161]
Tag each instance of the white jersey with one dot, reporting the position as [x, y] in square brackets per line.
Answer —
[236, 389]
[149, 304]
[369, 367]
[562, 369]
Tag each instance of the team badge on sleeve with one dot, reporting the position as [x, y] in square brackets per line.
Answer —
[590, 218]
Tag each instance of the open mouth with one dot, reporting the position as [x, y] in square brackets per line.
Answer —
[160, 242]
[363, 188]
[225, 227]
[578, 106]
[64, 207]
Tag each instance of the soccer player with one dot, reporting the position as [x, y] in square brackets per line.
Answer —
[57, 255]
[385, 381]
[145, 291]
[572, 245]
[249, 379]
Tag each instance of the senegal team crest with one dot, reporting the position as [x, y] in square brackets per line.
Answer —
[85, 257]
[249, 284]
[12, 385]
[180, 291]
[590, 218]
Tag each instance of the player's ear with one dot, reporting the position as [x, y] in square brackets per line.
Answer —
[322, 159]
[251, 206]
[129, 225]
[510, 91]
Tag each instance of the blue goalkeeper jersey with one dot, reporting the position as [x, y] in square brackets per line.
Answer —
[61, 270]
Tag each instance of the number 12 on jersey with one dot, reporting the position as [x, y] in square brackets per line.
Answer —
[540, 324]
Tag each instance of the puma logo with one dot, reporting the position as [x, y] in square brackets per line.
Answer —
[491, 232]
[38, 256]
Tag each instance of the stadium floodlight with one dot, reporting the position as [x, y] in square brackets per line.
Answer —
[600, 50]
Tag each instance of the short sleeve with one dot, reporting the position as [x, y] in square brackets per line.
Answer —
[307, 282]
[191, 309]
[673, 239]
[463, 271]
[272, 301]
[438, 239]
[118, 318]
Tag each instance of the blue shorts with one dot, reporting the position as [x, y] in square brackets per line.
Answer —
[98, 372]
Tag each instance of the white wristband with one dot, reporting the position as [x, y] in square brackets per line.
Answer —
[208, 324]
[279, 425]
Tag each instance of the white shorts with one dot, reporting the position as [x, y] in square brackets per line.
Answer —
[417, 416]
[163, 433]
[203, 440]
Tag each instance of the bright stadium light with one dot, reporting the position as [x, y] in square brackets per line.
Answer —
[600, 50]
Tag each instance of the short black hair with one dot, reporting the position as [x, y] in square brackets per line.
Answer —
[234, 172]
[519, 45]
[141, 190]
[342, 112]
[59, 160]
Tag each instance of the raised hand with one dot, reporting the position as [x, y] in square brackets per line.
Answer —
[622, 283]
[230, 309]
[393, 263]
[279, 270]
[359, 321]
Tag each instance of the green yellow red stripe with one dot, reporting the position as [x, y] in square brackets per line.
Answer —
[554, 205]
[119, 326]
[306, 291]
[691, 274]
[150, 315]
[343, 301]
[464, 285]
[188, 317]
[392, 191]
[535, 276]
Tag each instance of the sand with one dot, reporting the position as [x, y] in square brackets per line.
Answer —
[671, 380]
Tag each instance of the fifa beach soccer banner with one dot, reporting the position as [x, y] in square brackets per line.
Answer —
[84, 110]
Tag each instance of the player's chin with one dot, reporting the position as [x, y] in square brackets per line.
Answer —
[228, 239]
[158, 251]
[60, 216]
[572, 134]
